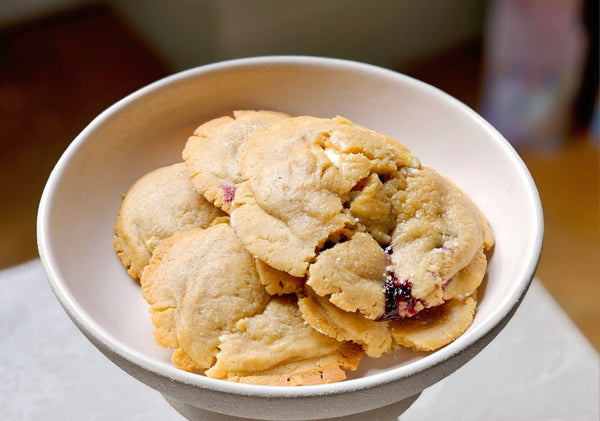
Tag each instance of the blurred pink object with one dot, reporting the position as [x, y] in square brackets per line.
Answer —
[534, 56]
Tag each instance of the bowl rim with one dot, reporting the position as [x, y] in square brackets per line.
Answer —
[98, 335]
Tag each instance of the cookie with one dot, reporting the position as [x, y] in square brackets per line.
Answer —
[322, 315]
[439, 232]
[352, 275]
[211, 153]
[434, 327]
[277, 282]
[199, 284]
[316, 241]
[355, 212]
[467, 280]
[278, 348]
[157, 206]
[298, 176]
[376, 336]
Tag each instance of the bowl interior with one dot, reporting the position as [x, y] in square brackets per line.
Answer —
[149, 129]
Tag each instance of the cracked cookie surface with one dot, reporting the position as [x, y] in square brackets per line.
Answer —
[439, 232]
[428, 329]
[355, 212]
[211, 153]
[435, 327]
[199, 284]
[277, 347]
[209, 305]
[158, 205]
[338, 243]
[299, 175]
[325, 317]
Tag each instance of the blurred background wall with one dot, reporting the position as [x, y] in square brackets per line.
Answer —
[187, 33]
[384, 32]
[528, 66]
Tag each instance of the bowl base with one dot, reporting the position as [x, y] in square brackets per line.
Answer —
[386, 413]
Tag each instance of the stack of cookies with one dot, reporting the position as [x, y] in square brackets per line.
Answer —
[285, 248]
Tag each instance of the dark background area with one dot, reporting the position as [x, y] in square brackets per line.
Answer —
[63, 62]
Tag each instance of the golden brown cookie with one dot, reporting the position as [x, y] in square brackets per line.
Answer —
[299, 178]
[439, 232]
[211, 153]
[435, 327]
[375, 232]
[376, 336]
[330, 320]
[352, 275]
[467, 280]
[277, 282]
[278, 348]
[381, 251]
[199, 284]
[157, 206]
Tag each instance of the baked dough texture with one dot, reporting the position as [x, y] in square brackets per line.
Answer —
[285, 248]
[200, 283]
[427, 330]
[435, 327]
[211, 153]
[321, 314]
[278, 348]
[298, 176]
[356, 213]
[439, 232]
[351, 275]
[209, 305]
[277, 282]
[157, 206]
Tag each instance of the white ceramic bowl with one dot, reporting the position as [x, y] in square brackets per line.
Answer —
[149, 128]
